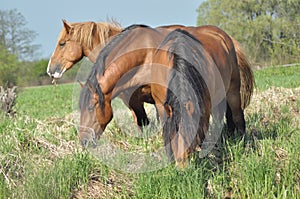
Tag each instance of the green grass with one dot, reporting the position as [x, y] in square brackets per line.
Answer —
[45, 101]
[287, 77]
[40, 156]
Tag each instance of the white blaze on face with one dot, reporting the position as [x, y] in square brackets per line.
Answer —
[49, 64]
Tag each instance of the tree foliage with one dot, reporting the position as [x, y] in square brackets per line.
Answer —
[18, 65]
[15, 37]
[33, 73]
[8, 68]
[268, 29]
[17, 53]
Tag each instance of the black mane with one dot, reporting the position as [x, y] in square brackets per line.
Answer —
[131, 27]
[186, 84]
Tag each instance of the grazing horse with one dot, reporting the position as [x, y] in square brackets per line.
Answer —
[77, 40]
[141, 55]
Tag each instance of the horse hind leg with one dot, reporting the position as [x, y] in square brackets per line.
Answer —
[234, 113]
[229, 121]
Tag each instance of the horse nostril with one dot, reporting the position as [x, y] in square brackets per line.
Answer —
[54, 71]
[87, 137]
[84, 142]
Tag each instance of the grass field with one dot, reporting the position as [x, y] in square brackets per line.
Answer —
[41, 158]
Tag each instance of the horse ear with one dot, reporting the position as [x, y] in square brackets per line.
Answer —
[66, 25]
[92, 90]
[168, 110]
[81, 84]
[189, 107]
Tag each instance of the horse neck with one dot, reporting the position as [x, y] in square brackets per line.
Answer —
[131, 59]
[92, 52]
[133, 71]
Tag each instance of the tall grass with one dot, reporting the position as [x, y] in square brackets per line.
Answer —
[40, 156]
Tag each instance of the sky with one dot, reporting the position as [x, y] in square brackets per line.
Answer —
[44, 17]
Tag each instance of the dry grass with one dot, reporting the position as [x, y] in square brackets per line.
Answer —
[104, 187]
[275, 103]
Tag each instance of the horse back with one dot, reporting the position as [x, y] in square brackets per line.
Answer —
[219, 46]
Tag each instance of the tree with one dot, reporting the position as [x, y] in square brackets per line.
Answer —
[17, 51]
[8, 68]
[268, 30]
[15, 37]
[34, 73]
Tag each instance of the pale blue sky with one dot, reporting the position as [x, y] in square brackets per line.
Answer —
[44, 17]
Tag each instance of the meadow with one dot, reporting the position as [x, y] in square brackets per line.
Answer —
[40, 156]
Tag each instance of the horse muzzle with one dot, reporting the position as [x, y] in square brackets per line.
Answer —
[87, 137]
[55, 71]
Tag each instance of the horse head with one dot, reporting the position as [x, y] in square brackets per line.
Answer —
[68, 51]
[77, 40]
[96, 113]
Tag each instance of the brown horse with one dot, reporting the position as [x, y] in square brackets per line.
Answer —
[77, 40]
[142, 56]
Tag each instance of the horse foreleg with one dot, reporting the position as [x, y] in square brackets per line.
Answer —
[139, 113]
[136, 104]
[136, 107]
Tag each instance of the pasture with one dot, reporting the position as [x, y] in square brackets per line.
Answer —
[41, 156]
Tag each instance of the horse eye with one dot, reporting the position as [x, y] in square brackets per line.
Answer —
[61, 44]
[91, 108]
